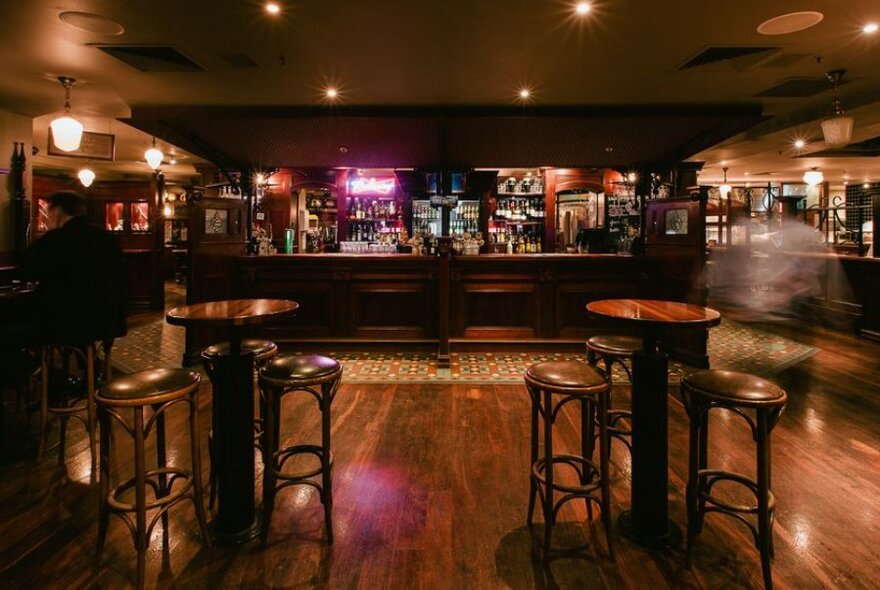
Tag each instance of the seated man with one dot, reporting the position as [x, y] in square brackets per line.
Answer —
[79, 266]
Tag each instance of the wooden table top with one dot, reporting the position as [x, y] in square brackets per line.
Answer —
[652, 312]
[235, 312]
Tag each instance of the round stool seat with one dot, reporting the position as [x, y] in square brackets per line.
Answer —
[616, 345]
[261, 349]
[148, 387]
[301, 367]
[735, 388]
[566, 375]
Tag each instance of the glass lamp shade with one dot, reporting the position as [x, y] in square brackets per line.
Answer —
[837, 130]
[66, 133]
[154, 157]
[814, 177]
[86, 177]
[725, 189]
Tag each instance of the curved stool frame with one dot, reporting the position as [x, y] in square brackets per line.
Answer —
[323, 389]
[594, 480]
[617, 419]
[701, 479]
[161, 480]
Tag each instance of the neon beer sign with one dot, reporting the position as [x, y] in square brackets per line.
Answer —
[371, 186]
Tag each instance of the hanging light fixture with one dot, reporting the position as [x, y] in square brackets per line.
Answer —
[725, 188]
[837, 127]
[66, 131]
[814, 177]
[86, 177]
[154, 156]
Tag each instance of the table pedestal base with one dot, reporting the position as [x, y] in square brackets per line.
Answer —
[671, 538]
[233, 393]
[223, 538]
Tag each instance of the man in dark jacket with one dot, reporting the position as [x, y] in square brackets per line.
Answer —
[80, 270]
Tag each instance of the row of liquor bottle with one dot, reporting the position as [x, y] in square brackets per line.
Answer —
[464, 210]
[527, 185]
[368, 231]
[520, 209]
[517, 240]
[385, 210]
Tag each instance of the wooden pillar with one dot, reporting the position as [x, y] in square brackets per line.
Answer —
[685, 177]
[443, 276]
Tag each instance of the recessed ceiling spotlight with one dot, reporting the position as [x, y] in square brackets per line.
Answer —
[173, 161]
[790, 23]
[870, 28]
[745, 173]
[582, 8]
[724, 162]
[608, 149]
[866, 185]
[91, 23]
[799, 144]
[272, 8]
[525, 93]
[331, 93]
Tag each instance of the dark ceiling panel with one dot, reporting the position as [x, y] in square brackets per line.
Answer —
[443, 137]
[152, 58]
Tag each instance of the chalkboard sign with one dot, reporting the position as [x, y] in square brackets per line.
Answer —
[621, 212]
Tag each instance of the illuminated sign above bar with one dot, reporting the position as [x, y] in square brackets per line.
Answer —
[371, 186]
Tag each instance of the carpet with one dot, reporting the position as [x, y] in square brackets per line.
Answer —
[732, 345]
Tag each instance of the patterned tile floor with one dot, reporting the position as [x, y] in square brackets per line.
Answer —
[732, 346]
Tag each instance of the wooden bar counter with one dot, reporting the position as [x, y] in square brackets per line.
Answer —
[394, 298]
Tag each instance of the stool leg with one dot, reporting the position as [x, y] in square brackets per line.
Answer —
[44, 402]
[533, 447]
[548, 470]
[764, 529]
[692, 492]
[326, 467]
[212, 473]
[161, 462]
[104, 487]
[196, 455]
[604, 458]
[587, 440]
[270, 446]
[703, 463]
[140, 496]
[91, 419]
[62, 438]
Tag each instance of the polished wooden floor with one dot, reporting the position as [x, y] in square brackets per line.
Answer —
[431, 492]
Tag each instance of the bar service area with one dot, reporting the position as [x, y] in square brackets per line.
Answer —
[440, 295]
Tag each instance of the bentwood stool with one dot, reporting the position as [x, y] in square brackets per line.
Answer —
[570, 381]
[615, 349]
[742, 394]
[69, 376]
[153, 391]
[262, 351]
[320, 377]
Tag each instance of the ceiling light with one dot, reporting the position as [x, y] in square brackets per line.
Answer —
[838, 127]
[866, 185]
[525, 93]
[86, 177]
[790, 23]
[173, 161]
[725, 188]
[66, 131]
[870, 28]
[631, 177]
[154, 156]
[814, 177]
[331, 93]
[272, 8]
[582, 7]
[799, 144]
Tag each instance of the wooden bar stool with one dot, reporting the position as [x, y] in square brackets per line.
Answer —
[739, 393]
[319, 376]
[158, 390]
[69, 376]
[262, 351]
[615, 349]
[571, 381]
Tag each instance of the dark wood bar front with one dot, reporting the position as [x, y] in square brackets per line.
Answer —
[524, 299]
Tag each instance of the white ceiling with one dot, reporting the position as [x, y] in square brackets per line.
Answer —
[452, 52]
